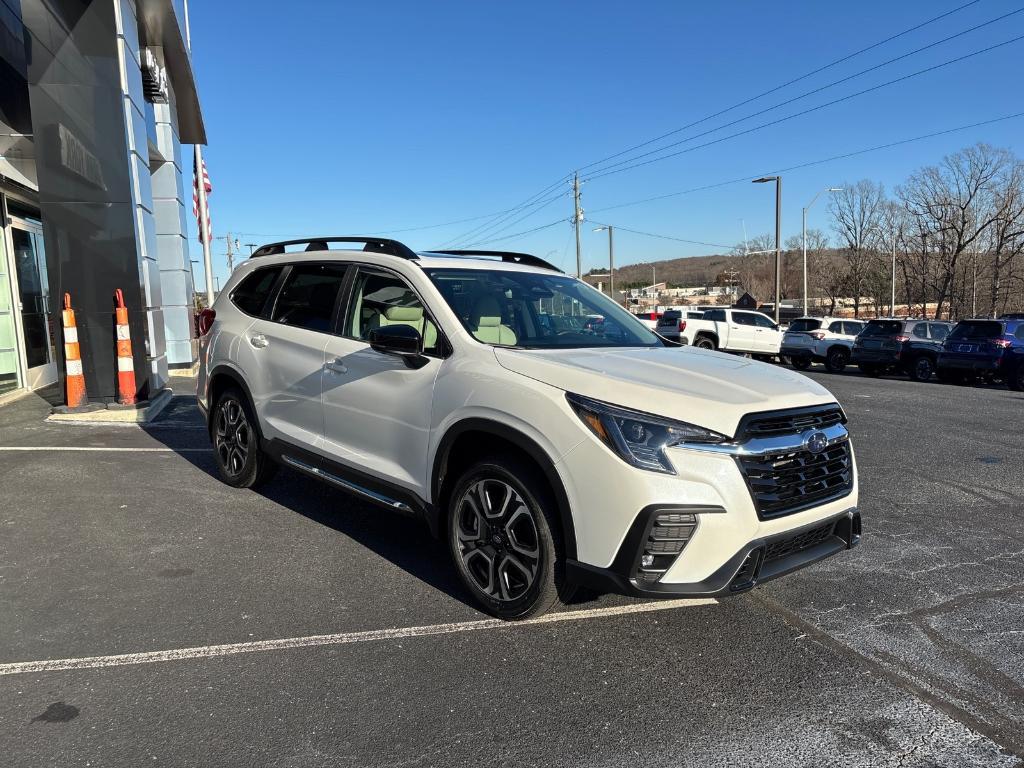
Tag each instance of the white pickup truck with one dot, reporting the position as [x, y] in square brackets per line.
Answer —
[735, 330]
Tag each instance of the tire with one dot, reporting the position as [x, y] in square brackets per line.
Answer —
[870, 369]
[705, 342]
[505, 539]
[237, 449]
[801, 362]
[1015, 377]
[837, 359]
[921, 368]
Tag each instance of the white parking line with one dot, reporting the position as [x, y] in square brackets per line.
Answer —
[86, 448]
[211, 651]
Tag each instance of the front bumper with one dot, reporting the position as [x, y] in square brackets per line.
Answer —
[756, 562]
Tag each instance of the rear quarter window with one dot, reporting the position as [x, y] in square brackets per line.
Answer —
[252, 293]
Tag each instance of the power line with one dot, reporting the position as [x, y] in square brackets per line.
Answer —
[662, 237]
[540, 206]
[811, 92]
[784, 85]
[810, 109]
[520, 234]
[809, 164]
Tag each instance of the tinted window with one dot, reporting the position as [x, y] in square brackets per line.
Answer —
[670, 317]
[939, 331]
[836, 327]
[743, 318]
[977, 329]
[252, 293]
[1019, 334]
[883, 328]
[381, 299]
[763, 322]
[852, 329]
[803, 326]
[715, 314]
[921, 330]
[308, 295]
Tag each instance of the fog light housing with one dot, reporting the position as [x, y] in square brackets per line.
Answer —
[668, 533]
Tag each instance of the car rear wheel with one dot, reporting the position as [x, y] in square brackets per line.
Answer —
[837, 359]
[704, 342]
[869, 369]
[922, 368]
[505, 540]
[241, 461]
[801, 362]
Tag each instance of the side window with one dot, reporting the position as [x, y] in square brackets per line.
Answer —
[852, 329]
[837, 327]
[763, 322]
[715, 314]
[743, 318]
[252, 293]
[940, 331]
[1019, 333]
[308, 295]
[921, 330]
[381, 299]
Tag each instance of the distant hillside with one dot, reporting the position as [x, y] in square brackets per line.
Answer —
[687, 271]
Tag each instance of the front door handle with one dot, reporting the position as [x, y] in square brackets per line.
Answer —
[336, 366]
[259, 341]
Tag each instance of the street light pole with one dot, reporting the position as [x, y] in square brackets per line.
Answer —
[611, 258]
[807, 208]
[778, 238]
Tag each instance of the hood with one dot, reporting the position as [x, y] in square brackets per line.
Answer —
[710, 389]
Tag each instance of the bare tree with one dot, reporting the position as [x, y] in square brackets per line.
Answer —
[1006, 235]
[858, 213]
[952, 205]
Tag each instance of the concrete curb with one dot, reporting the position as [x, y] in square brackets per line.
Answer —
[122, 414]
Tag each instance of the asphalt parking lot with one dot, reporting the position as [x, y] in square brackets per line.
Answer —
[296, 627]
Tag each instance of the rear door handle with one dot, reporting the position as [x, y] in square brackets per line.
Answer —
[259, 341]
[336, 366]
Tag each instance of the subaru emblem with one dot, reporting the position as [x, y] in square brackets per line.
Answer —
[816, 442]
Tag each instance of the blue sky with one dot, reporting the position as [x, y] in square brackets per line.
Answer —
[357, 117]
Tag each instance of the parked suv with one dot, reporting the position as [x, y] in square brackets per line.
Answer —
[990, 348]
[671, 325]
[827, 340]
[461, 388]
[907, 346]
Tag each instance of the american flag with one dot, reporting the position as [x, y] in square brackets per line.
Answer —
[208, 229]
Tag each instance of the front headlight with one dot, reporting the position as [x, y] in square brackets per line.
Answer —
[638, 438]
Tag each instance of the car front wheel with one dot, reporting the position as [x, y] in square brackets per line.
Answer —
[801, 362]
[504, 539]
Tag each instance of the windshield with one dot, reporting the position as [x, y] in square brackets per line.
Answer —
[977, 329]
[537, 310]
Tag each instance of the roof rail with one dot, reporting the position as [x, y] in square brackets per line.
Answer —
[508, 256]
[371, 244]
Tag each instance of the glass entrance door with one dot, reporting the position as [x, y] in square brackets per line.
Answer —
[34, 297]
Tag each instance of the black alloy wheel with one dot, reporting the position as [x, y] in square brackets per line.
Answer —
[503, 539]
[837, 359]
[236, 443]
[922, 368]
[802, 362]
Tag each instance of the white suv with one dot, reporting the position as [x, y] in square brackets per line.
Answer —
[827, 340]
[469, 390]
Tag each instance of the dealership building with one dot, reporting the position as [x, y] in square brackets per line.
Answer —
[96, 98]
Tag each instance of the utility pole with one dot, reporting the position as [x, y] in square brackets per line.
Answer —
[251, 247]
[577, 217]
[611, 258]
[231, 256]
[778, 238]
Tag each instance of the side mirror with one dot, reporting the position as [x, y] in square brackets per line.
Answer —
[400, 340]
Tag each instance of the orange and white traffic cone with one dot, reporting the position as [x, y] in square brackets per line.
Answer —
[74, 382]
[125, 364]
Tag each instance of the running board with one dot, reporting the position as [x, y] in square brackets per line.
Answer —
[347, 485]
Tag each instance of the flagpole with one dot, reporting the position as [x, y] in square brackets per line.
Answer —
[200, 183]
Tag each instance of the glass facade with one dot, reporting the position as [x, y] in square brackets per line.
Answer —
[9, 378]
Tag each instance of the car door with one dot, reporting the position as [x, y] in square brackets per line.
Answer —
[288, 346]
[743, 332]
[768, 336]
[376, 407]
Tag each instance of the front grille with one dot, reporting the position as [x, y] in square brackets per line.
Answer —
[782, 483]
[790, 423]
[801, 541]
